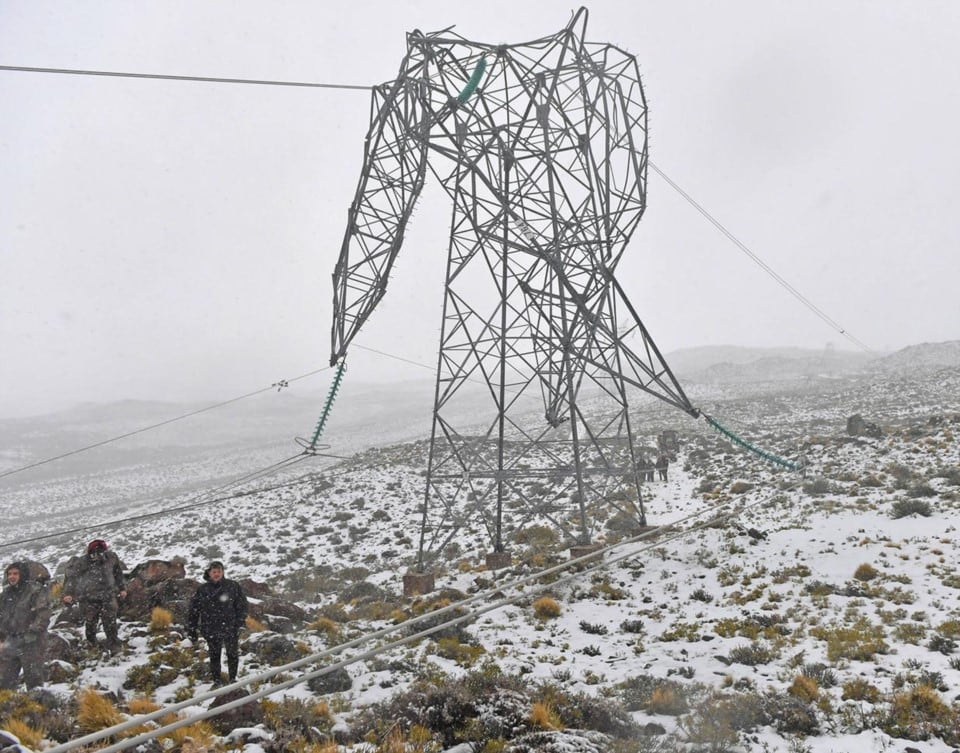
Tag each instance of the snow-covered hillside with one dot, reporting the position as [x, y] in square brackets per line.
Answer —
[768, 612]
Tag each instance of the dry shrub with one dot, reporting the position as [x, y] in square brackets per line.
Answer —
[716, 723]
[394, 742]
[805, 688]
[26, 734]
[297, 717]
[950, 628]
[546, 608]
[921, 713]
[96, 712]
[21, 705]
[905, 507]
[254, 625]
[326, 626]
[751, 654]
[464, 654]
[789, 714]
[160, 619]
[860, 690]
[138, 706]
[866, 572]
[666, 700]
[200, 734]
[858, 642]
[544, 716]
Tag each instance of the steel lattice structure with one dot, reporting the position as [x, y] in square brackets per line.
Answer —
[542, 148]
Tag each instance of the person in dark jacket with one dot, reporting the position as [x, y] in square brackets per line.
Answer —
[24, 618]
[663, 463]
[217, 612]
[95, 581]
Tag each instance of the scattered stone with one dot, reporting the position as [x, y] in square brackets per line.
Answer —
[337, 681]
[272, 649]
[247, 715]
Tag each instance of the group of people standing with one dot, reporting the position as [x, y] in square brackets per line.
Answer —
[660, 467]
[95, 583]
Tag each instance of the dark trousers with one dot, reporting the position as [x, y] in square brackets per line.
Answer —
[27, 653]
[215, 644]
[100, 611]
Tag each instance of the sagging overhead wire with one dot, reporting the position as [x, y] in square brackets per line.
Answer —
[820, 313]
[827, 319]
[165, 422]
[199, 501]
[167, 77]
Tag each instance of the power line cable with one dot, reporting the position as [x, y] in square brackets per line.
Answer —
[198, 501]
[826, 318]
[157, 425]
[167, 77]
[760, 262]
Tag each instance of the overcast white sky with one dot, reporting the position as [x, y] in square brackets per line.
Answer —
[176, 240]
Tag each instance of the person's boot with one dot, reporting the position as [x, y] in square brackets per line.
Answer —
[215, 675]
[113, 642]
[233, 662]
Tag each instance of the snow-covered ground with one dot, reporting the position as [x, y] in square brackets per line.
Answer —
[757, 576]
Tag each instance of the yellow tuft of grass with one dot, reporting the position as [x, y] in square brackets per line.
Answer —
[805, 688]
[395, 742]
[919, 713]
[17, 704]
[860, 690]
[665, 700]
[198, 736]
[96, 712]
[544, 716]
[856, 642]
[420, 739]
[546, 608]
[865, 572]
[27, 735]
[326, 626]
[254, 625]
[160, 619]
[141, 705]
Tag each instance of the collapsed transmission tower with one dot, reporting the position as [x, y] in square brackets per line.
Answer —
[542, 148]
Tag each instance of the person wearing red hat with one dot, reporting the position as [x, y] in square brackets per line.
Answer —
[95, 581]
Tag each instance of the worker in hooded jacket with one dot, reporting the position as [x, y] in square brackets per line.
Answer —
[95, 580]
[217, 612]
[24, 618]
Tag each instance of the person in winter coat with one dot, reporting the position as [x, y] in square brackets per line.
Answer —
[95, 581]
[663, 463]
[24, 617]
[217, 612]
